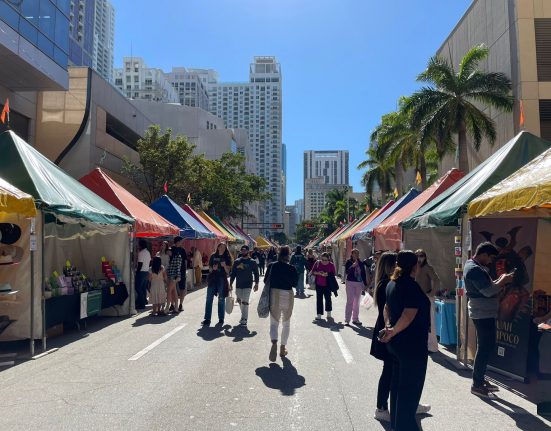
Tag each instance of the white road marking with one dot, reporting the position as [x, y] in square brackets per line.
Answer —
[344, 350]
[156, 343]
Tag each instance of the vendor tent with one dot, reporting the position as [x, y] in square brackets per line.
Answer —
[14, 201]
[262, 242]
[527, 188]
[451, 205]
[148, 223]
[388, 235]
[334, 233]
[171, 211]
[367, 231]
[218, 226]
[211, 228]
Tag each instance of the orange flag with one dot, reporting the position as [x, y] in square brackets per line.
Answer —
[5, 112]
[395, 193]
[418, 178]
[521, 115]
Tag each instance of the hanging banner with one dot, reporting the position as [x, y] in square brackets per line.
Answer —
[515, 238]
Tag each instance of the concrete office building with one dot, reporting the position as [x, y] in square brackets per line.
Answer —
[34, 49]
[137, 81]
[104, 39]
[518, 34]
[299, 206]
[290, 221]
[315, 190]
[257, 107]
[191, 89]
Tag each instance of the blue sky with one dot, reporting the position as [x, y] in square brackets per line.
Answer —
[344, 62]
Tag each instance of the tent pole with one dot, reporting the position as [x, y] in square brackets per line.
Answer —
[32, 246]
[131, 293]
[43, 300]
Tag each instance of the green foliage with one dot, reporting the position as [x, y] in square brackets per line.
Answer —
[304, 234]
[222, 187]
[280, 238]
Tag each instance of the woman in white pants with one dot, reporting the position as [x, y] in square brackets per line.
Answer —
[282, 277]
[427, 278]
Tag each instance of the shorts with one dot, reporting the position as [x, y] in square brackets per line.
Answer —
[243, 295]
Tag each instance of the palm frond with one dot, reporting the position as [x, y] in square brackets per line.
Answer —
[471, 60]
[439, 72]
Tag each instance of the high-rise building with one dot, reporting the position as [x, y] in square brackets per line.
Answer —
[81, 32]
[137, 81]
[290, 221]
[256, 106]
[299, 205]
[323, 171]
[104, 39]
[191, 88]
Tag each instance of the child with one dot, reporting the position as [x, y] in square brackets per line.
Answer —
[157, 278]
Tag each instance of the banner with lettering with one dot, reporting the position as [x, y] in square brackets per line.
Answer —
[515, 238]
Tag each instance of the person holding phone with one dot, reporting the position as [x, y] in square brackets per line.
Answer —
[322, 269]
[482, 293]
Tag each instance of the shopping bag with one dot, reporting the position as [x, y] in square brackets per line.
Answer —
[230, 302]
[367, 301]
[263, 307]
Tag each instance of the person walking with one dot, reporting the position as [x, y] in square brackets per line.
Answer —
[272, 255]
[298, 260]
[383, 271]
[220, 264]
[261, 261]
[142, 274]
[407, 319]
[157, 280]
[198, 266]
[243, 271]
[173, 273]
[181, 287]
[310, 262]
[356, 283]
[482, 293]
[427, 278]
[282, 278]
[322, 269]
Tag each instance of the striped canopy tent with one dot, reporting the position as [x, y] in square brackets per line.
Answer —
[248, 238]
[220, 227]
[213, 229]
[349, 228]
[189, 227]
[332, 234]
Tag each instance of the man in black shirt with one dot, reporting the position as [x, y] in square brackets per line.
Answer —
[243, 270]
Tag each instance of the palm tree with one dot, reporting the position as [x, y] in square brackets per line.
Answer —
[378, 173]
[447, 105]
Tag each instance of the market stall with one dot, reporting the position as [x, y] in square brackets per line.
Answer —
[82, 243]
[441, 226]
[515, 215]
[262, 243]
[17, 209]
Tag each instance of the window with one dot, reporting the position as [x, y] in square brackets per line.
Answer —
[543, 48]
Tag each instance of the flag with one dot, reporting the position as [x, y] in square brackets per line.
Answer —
[521, 115]
[189, 198]
[5, 115]
[349, 218]
[165, 187]
[395, 193]
[418, 178]
[367, 208]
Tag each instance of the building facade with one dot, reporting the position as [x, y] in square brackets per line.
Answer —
[81, 32]
[290, 221]
[104, 39]
[518, 34]
[137, 81]
[315, 190]
[191, 89]
[257, 107]
[299, 206]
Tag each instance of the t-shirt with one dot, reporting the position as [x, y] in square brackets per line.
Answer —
[244, 270]
[145, 258]
[282, 276]
[481, 291]
[217, 258]
[328, 267]
[299, 262]
[406, 293]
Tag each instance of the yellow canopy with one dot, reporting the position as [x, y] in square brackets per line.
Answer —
[221, 228]
[529, 187]
[262, 242]
[13, 200]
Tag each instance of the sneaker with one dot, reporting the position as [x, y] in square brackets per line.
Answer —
[357, 322]
[171, 309]
[481, 391]
[243, 322]
[273, 353]
[329, 315]
[422, 409]
[205, 322]
[347, 322]
[382, 415]
[491, 387]
[180, 308]
[318, 317]
[221, 322]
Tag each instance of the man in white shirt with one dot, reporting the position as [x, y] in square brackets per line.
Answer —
[142, 273]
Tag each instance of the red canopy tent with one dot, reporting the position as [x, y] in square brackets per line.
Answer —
[148, 223]
[388, 235]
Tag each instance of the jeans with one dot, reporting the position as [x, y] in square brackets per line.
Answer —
[383, 391]
[485, 345]
[243, 296]
[353, 295]
[408, 379]
[141, 289]
[281, 309]
[217, 287]
[300, 283]
[321, 293]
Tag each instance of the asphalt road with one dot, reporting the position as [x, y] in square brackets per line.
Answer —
[155, 373]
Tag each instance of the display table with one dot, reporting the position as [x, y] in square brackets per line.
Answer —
[112, 296]
[446, 325]
[60, 309]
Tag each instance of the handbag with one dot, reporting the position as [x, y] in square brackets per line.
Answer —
[332, 284]
[312, 277]
[367, 301]
[263, 307]
[230, 302]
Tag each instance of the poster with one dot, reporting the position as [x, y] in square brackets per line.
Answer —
[515, 238]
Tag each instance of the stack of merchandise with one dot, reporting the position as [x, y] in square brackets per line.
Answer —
[110, 271]
[72, 281]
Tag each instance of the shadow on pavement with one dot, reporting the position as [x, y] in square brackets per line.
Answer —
[448, 363]
[211, 333]
[329, 324]
[149, 319]
[524, 420]
[286, 379]
[239, 333]
[363, 331]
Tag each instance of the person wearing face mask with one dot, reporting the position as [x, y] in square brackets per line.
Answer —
[427, 278]
[244, 269]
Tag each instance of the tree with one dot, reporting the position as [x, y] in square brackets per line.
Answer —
[449, 103]
[305, 232]
[378, 173]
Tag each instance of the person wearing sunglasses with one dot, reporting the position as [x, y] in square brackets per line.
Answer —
[322, 269]
[427, 278]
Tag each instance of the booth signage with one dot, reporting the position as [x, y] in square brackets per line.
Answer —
[516, 241]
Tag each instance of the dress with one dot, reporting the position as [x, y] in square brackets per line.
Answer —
[158, 292]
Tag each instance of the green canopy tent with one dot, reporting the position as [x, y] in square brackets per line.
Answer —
[441, 226]
[68, 214]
